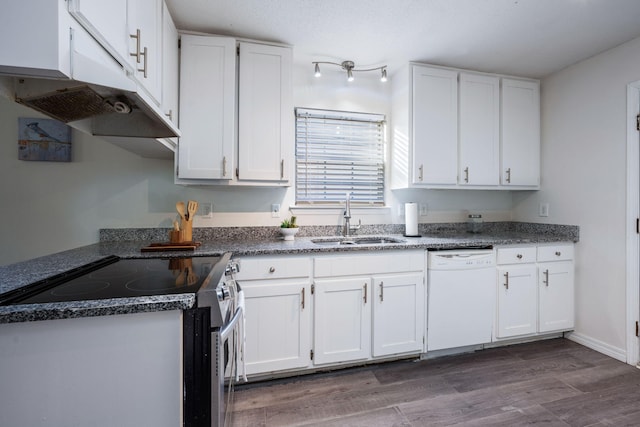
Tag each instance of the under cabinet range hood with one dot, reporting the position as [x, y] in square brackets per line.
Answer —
[67, 75]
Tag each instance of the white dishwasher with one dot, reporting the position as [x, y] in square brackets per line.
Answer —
[461, 298]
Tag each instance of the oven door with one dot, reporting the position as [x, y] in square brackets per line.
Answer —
[229, 349]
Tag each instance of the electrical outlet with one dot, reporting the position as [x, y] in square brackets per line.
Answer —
[205, 210]
[543, 209]
[422, 207]
[275, 210]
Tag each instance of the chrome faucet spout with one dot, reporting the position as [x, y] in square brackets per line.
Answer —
[348, 228]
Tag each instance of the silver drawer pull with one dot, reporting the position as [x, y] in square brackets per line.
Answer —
[506, 280]
[272, 270]
[558, 253]
[519, 256]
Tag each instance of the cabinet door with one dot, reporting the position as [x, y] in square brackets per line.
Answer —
[106, 22]
[556, 294]
[434, 125]
[520, 133]
[398, 314]
[207, 105]
[170, 66]
[145, 50]
[266, 127]
[342, 320]
[479, 130]
[517, 301]
[278, 326]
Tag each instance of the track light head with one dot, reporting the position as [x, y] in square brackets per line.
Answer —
[349, 67]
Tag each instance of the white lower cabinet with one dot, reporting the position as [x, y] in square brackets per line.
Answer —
[278, 312]
[342, 321]
[535, 290]
[517, 294]
[368, 305]
[398, 313]
[278, 326]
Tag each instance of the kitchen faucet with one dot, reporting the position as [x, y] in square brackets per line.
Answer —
[348, 228]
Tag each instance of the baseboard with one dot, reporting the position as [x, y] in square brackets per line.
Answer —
[599, 346]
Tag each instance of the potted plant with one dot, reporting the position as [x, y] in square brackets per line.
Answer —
[289, 228]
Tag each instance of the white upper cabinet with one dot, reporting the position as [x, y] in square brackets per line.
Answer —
[207, 104]
[106, 22]
[170, 66]
[266, 125]
[520, 128]
[458, 129]
[479, 123]
[434, 125]
[145, 44]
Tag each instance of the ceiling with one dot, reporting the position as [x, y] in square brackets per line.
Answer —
[529, 38]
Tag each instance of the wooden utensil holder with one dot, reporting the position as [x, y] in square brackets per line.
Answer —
[186, 228]
[177, 236]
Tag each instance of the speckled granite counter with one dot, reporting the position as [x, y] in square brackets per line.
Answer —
[126, 243]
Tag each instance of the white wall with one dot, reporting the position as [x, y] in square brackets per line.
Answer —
[584, 182]
[48, 207]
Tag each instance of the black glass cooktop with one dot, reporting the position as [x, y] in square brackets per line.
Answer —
[113, 277]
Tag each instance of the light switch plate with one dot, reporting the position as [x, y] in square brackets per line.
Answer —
[205, 210]
[543, 209]
[275, 210]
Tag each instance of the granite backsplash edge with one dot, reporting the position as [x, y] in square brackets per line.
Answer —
[572, 232]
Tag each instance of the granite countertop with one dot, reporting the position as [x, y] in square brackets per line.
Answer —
[126, 243]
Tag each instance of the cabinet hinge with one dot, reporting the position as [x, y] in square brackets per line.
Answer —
[313, 289]
[311, 354]
[637, 331]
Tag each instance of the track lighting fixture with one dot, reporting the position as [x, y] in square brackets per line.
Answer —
[349, 67]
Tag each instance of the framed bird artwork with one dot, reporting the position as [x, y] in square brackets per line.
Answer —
[43, 140]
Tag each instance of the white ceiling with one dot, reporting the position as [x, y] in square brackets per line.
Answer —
[531, 38]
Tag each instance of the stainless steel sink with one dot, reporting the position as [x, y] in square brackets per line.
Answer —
[369, 240]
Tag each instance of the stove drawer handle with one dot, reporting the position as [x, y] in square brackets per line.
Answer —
[227, 329]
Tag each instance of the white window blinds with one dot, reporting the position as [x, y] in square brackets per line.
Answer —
[339, 152]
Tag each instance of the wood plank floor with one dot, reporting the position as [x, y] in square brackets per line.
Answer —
[550, 383]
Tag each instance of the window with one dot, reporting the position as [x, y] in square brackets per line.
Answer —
[339, 152]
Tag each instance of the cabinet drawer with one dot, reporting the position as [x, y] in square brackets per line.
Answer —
[559, 252]
[371, 263]
[516, 255]
[259, 268]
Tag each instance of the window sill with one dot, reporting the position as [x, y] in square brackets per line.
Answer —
[338, 210]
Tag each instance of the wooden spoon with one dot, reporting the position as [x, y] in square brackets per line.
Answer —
[181, 210]
[192, 208]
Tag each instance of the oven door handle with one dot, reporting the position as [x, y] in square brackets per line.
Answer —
[226, 330]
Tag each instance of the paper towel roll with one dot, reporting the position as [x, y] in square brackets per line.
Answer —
[410, 219]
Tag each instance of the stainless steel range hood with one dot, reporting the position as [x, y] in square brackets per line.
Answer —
[103, 111]
[94, 93]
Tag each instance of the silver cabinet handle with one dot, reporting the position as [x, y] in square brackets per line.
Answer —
[421, 174]
[144, 65]
[508, 178]
[381, 291]
[303, 298]
[137, 37]
[546, 277]
[272, 270]
[282, 169]
[519, 256]
[224, 166]
[558, 253]
[466, 174]
[365, 293]
[506, 280]
[169, 114]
